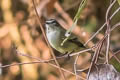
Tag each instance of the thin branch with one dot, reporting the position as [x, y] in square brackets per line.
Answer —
[9, 65]
[96, 54]
[102, 26]
[82, 51]
[117, 52]
[72, 54]
[116, 25]
[42, 61]
[108, 30]
[29, 56]
[95, 57]
[99, 49]
[39, 61]
[108, 10]
[62, 74]
[92, 62]
[75, 66]
[114, 55]
[34, 62]
[108, 42]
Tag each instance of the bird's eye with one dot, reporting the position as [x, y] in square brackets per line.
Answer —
[54, 23]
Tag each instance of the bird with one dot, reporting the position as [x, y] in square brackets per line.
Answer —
[55, 34]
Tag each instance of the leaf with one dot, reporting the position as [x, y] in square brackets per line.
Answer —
[104, 72]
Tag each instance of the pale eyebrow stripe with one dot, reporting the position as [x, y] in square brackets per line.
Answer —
[50, 21]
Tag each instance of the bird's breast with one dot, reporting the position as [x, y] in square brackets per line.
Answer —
[53, 38]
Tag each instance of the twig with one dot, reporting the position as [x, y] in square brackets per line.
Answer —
[72, 54]
[99, 49]
[62, 74]
[38, 61]
[22, 54]
[116, 25]
[92, 62]
[96, 55]
[108, 31]
[21, 64]
[102, 27]
[45, 61]
[114, 55]
[108, 10]
[108, 42]
[75, 66]
[86, 50]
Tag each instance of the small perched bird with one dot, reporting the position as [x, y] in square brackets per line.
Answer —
[56, 34]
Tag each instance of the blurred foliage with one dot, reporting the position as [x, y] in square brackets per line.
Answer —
[19, 26]
[118, 1]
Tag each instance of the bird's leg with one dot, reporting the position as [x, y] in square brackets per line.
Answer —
[68, 54]
[65, 55]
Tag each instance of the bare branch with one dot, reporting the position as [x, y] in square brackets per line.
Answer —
[102, 26]
[63, 76]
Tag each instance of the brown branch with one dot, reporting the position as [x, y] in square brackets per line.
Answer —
[34, 62]
[41, 27]
[96, 55]
[117, 10]
[38, 61]
[116, 25]
[114, 55]
[108, 30]
[75, 63]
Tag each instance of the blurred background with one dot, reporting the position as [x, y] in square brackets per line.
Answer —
[19, 26]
